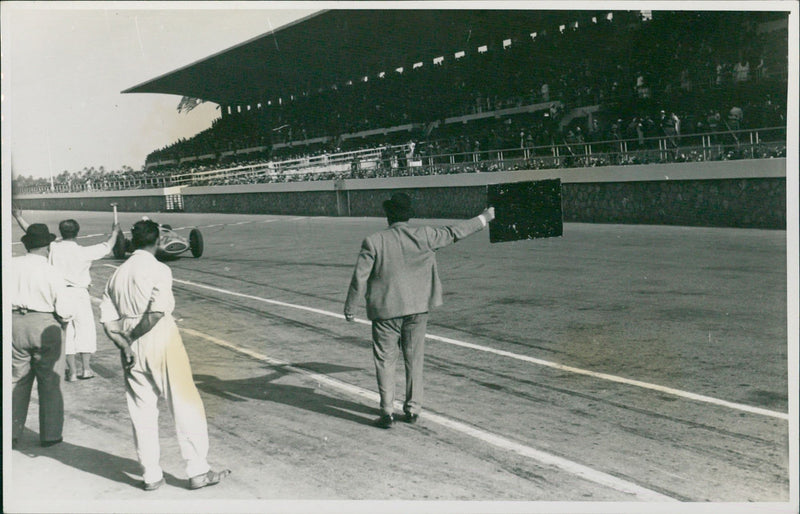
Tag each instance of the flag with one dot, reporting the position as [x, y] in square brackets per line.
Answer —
[188, 103]
[525, 210]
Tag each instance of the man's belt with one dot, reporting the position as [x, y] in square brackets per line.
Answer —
[24, 310]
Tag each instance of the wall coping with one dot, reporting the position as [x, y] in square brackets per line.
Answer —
[97, 193]
[735, 169]
[633, 173]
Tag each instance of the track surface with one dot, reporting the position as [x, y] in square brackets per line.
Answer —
[536, 409]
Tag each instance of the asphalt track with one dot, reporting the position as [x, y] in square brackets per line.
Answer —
[614, 364]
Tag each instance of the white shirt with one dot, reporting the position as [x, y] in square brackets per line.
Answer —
[38, 286]
[141, 284]
[74, 260]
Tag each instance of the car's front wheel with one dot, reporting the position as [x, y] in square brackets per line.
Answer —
[196, 242]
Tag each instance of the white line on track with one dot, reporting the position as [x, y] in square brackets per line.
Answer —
[584, 472]
[603, 376]
[618, 379]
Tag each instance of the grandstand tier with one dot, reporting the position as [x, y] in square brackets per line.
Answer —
[410, 92]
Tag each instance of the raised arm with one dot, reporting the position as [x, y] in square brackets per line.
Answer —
[17, 213]
[114, 232]
[439, 237]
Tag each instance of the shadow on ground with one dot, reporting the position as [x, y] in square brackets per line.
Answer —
[264, 388]
[100, 463]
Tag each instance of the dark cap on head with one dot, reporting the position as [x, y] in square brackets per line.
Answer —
[69, 228]
[398, 207]
[37, 236]
[144, 233]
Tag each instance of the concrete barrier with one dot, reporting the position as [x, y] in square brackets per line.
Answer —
[741, 193]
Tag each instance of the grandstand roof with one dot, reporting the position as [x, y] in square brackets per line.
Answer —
[331, 47]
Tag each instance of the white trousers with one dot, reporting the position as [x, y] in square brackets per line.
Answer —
[162, 369]
[80, 334]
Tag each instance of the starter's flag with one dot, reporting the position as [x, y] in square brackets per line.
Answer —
[525, 210]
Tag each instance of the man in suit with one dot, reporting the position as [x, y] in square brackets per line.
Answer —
[396, 269]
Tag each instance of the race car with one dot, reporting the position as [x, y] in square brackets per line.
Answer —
[169, 246]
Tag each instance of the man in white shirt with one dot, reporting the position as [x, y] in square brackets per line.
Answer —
[74, 261]
[39, 305]
[136, 313]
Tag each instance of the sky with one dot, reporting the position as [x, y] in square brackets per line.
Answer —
[64, 65]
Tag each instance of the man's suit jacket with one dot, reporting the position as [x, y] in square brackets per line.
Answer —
[396, 268]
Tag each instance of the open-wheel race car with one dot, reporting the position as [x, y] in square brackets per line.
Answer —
[169, 246]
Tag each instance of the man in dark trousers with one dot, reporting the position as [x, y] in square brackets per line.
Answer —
[39, 304]
[396, 269]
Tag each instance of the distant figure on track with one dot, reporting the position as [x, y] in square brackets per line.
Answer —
[396, 268]
[74, 262]
[136, 313]
[39, 306]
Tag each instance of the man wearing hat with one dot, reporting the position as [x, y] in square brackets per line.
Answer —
[396, 269]
[39, 305]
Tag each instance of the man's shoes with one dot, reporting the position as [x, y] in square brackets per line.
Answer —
[48, 444]
[86, 376]
[385, 421]
[206, 479]
[71, 376]
[152, 486]
[411, 418]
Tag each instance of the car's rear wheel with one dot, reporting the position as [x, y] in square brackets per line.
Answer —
[119, 246]
[196, 242]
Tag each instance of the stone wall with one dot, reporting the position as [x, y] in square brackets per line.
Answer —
[66, 202]
[746, 193]
[432, 202]
[745, 203]
[305, 203]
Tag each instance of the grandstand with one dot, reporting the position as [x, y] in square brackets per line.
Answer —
[421, 92]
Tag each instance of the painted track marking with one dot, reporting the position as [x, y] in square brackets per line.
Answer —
[603, 376]
[584, 472]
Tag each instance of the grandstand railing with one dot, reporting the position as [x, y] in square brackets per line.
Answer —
[336, 163]
[396, 161]
[741, 144]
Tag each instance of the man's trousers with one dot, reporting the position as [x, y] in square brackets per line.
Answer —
[37, 353]
[162, 369]
[406, 333]
[80, 335]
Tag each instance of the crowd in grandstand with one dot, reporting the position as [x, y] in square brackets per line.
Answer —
[597, 63]
[651, 83]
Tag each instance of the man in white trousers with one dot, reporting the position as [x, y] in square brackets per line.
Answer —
[136, 313]
[74, 262]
